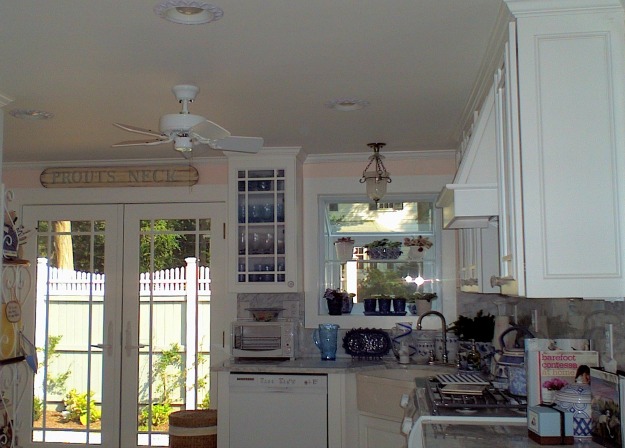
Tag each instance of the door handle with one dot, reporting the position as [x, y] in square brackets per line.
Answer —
[108, 346]
[129, 347]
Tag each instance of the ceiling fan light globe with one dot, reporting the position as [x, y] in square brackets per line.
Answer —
[183, 144]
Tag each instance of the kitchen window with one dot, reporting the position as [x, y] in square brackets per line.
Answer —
[364, 274]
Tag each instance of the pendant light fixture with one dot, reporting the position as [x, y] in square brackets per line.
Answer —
[376, 180]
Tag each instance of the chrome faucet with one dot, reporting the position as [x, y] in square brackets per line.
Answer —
[444, 323]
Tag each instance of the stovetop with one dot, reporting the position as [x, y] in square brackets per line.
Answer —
[491, 401]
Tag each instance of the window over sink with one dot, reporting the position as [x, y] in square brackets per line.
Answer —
[389, 249]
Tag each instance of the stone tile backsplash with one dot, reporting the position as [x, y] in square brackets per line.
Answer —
[556, 318]
[549, 318]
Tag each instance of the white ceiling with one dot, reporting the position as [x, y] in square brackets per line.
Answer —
[266, 69]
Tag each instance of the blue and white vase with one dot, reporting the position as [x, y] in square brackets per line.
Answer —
[576, 398]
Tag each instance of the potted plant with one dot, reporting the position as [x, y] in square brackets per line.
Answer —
[339, 302]
[420, 302]
[480, 328]
[384, 249]
[417, 247]
[344, 249]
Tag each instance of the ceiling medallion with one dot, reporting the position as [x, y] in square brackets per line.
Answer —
[347, 104]
[31, 114]
[188, 12]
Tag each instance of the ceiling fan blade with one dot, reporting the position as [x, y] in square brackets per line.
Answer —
[156, 141]
[238, 144]
[207, 130]
[127, 127]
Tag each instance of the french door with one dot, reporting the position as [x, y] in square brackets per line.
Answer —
[121, 318]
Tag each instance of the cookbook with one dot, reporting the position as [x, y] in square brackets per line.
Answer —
[552, 364]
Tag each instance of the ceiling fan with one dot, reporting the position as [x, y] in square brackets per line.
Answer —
[186, 130]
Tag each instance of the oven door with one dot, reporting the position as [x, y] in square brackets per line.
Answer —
[475, 430]
[250, 340]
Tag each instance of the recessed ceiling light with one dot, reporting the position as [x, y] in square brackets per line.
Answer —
[347, 104]
[188, 12]
[31, 114]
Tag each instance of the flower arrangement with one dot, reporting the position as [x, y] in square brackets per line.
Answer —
[421, 242]
[554, 384]
[384, 249]
[339, 302]
[385, 242]
[337, 294]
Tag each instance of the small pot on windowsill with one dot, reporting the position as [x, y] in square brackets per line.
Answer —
[335, 307]
[421, 303]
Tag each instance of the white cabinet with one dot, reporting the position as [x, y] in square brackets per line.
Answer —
[375, 432]
[511, 254]
[562, 160]
[478, 258]
[264, 191]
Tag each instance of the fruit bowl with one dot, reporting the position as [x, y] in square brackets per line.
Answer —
[265, 314]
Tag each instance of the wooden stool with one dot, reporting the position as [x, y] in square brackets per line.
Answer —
[193, 429]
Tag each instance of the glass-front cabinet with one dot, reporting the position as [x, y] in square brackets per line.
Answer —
[264, 223]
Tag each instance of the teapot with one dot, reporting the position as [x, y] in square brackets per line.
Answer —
[510, 364]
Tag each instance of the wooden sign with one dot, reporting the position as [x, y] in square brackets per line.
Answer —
[128, 176]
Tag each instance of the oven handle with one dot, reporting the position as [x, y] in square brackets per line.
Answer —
[408, 402]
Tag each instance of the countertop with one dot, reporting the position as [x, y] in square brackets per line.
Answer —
[302, 365]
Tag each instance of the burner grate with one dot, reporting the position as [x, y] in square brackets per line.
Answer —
[490, 399]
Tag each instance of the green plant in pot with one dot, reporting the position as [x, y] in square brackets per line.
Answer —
[339, 302]
[377, 282]
[480, 328]
[420, 302]
[384, 249]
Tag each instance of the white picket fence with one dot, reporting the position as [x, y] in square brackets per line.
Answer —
[72, 303]
[168, 282]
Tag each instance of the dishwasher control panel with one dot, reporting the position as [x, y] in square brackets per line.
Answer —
[258, 381]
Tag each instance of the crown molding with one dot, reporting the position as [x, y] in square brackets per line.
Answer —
[388, 155]
[520, 8]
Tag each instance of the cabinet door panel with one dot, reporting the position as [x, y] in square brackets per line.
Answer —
[571, 111]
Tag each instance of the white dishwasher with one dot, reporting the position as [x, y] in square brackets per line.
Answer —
[278, 411]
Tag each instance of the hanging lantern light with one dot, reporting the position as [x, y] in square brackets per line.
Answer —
[376, 181]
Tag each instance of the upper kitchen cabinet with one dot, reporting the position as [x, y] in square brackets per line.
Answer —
[478, 258]
[562, 150]
[264, 191]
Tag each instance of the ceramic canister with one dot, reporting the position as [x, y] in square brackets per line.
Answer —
[576, 398]
[424, 341]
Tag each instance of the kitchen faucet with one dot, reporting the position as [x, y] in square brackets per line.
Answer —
[444, 323]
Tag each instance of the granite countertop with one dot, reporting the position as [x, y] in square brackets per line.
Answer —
[302, 365]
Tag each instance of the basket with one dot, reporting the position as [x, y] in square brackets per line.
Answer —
[193, 429]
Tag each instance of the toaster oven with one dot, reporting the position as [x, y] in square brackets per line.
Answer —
[276, 339]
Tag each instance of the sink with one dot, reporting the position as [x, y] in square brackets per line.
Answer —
[379, 392]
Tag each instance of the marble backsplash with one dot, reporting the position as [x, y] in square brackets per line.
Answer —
[556, 318]
[549, 318]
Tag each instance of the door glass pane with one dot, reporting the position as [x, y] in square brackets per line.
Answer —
[174, 310]
[69, 332]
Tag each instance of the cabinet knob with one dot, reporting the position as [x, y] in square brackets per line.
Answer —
[469, 282]
[291, 284]
[499, 281]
